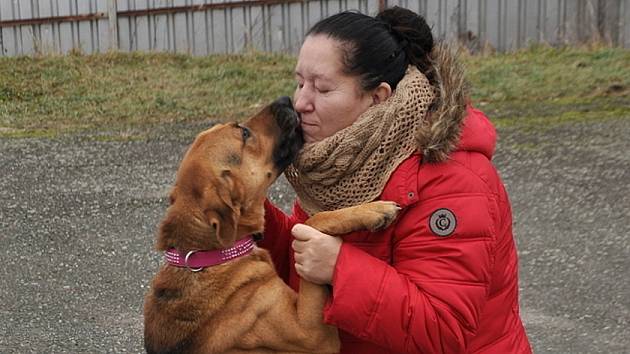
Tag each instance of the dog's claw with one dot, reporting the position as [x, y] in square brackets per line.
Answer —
[387, 212]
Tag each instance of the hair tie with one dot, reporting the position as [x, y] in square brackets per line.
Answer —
[388, 26]
[397, 35]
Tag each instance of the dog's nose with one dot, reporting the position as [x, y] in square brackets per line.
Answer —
[283, 109]
[284, 101]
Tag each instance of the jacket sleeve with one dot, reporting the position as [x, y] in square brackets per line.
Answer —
[277, 238]
[430, 298]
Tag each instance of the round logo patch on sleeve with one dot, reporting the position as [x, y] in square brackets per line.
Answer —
[442, 222]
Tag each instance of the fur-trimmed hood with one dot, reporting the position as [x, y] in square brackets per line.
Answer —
[439, 133]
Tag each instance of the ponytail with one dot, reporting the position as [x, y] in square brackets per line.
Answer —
[413, 34]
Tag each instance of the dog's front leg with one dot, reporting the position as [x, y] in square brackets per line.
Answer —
[310, 308]
[373, 216]
[294, 323]
[312, 298]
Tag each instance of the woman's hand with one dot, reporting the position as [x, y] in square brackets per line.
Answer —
[315, 254]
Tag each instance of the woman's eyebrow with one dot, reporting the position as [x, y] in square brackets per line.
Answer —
[315, 76]
[321, 77]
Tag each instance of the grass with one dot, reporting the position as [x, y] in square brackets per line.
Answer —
[120, 92]
[541, 85]
[126, 91]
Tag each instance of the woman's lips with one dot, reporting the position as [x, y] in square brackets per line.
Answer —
[308, 124]
[308, 129]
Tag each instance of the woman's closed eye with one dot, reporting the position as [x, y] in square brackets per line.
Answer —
[323, 90]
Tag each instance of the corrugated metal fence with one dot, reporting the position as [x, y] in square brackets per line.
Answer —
[203, 27]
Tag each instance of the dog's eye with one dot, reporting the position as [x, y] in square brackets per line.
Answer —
[245, 132]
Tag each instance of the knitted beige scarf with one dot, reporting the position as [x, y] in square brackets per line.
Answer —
[352, 166]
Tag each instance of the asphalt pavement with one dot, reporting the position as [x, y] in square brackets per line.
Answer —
[78, 217]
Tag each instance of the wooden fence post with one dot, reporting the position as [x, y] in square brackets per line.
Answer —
[624, 25]
[112, 14]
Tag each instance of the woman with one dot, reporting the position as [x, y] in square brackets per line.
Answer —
[384, 116]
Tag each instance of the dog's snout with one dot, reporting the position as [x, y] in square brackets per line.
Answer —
[284, 101]
[290, 140]
[285, 114]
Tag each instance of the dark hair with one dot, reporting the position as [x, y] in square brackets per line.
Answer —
[379, 49]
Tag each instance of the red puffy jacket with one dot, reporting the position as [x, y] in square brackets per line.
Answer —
[444, 277]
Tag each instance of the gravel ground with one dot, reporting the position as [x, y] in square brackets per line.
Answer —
[78, 219]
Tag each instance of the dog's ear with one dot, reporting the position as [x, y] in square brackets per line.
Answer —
[186, 229]
[192, 225]
[224, 224]
[224, 219]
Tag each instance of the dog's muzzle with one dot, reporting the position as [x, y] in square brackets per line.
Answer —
[291, 139]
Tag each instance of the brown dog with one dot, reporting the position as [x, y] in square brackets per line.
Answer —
[240, 306]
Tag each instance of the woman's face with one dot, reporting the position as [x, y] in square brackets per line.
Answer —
[327, 99]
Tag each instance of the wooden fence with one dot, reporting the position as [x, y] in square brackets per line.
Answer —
[202, 27]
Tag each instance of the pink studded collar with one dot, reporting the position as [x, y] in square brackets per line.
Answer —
[197, 260]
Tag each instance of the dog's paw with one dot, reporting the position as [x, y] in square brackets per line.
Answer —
[383, 213]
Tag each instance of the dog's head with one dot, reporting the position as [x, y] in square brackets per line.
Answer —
[223, 179]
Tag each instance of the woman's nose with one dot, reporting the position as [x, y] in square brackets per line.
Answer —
[302, 102]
